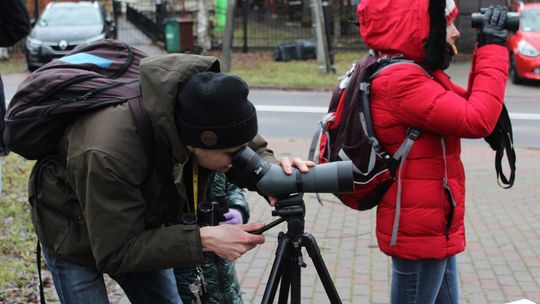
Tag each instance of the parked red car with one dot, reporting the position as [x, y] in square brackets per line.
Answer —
[524, 45]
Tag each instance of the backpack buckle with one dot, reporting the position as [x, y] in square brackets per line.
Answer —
[364, 86]
[413, 133]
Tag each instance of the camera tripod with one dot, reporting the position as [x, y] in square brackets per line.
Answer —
[289, 259]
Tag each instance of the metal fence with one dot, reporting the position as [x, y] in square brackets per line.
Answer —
[258, 24]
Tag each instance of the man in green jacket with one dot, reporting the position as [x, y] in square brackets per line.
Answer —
[100, 207]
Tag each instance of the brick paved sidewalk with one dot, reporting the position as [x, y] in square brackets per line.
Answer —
[501, 263]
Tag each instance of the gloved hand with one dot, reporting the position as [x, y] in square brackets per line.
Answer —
[233, 217]
[493, 31]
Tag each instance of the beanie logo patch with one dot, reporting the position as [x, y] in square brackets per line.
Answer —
[209, 138]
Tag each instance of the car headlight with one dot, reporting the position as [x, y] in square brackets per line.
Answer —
[96, 38]
[526, 49]
[33, 43]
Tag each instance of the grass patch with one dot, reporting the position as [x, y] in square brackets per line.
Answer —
[15, 64]
[18, 283]
[259, 69]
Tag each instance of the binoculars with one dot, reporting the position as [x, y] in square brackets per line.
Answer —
[511, 24]
[210, 213]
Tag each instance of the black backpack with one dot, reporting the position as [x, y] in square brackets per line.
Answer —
[91, 77]
[347, 133]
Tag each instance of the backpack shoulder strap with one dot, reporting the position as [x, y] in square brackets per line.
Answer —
[385, 63]
[365, 89]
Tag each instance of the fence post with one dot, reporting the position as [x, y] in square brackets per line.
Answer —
[36, 10]
[245, 20]
[160, 14]
[323, 57]
[328, 34]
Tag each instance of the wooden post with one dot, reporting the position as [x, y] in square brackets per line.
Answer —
[228, 37]
[323, 56]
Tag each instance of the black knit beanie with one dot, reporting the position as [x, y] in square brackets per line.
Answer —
[213, 112]
[435, 46]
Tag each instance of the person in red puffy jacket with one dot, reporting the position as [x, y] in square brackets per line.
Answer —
[420, 218]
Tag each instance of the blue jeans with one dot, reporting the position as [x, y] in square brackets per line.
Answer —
[77, 284]
[424, 281]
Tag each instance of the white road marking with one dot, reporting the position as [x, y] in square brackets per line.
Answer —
[322, 110]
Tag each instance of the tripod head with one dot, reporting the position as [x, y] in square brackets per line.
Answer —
[291, 209]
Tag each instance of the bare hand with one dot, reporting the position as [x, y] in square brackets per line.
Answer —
[302, 165]
[230, 242]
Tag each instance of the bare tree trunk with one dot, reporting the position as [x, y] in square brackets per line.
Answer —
[203, 38]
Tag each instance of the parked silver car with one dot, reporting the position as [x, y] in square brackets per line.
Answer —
[63, 26]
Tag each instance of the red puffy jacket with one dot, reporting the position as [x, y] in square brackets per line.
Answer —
[404, 95]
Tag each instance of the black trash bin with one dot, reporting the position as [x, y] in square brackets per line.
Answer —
[295, 50]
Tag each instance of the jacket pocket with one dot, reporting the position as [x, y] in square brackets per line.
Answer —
[56, 213]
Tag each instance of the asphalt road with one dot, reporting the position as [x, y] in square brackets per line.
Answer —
[295, 114]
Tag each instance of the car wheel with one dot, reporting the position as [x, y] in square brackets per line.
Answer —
[512, 73]
[30, 67]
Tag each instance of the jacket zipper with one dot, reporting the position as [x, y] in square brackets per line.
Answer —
[58, 88]
[89, 93]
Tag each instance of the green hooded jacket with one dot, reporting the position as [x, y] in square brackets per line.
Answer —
[219, 274]
[87, 202]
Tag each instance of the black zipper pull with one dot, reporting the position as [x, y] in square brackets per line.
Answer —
[78, 98]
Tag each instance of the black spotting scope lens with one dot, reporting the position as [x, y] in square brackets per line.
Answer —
[335, 177]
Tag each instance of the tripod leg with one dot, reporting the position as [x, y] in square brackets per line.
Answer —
[315, 253]
[277, 270]
[296, 261]
[285, 282]
[294, 273]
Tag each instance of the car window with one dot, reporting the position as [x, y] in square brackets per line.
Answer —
[70, 16]
[530, 20]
